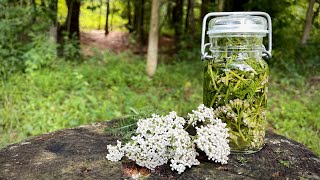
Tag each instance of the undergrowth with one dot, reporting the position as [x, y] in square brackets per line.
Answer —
[67, 93]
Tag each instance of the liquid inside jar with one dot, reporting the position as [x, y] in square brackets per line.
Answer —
[235, 85]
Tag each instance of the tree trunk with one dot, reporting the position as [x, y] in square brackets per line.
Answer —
[308, 22]
[53, 14]
[204, 8]
[190, 27]
[220, 7]
[177, 21]
[139, 22]
[129, 16]
[100, 14]
[53, 11]
[34, 11]
[141, 29]
[231, 5]
[79, 153]
[72, 22]
[153, 38]
[106, 27]
[316, 14]
[306, 31]
[70, 26]
[136, 15]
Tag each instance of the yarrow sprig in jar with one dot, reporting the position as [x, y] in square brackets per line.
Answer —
[236, 76]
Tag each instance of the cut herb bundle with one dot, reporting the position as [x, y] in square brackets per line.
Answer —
[235, 84]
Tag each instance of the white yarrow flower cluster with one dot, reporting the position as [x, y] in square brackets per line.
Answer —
[163, 139]
[212, 139]
[115, 152]
[212, 135]
[184, 152]
[202, 114]
[150, 148]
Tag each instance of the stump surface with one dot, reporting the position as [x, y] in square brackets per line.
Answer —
[79, 153]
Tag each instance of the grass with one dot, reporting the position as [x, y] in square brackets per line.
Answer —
[67, 94]
[294, 110]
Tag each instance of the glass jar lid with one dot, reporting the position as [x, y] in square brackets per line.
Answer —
[235, 24]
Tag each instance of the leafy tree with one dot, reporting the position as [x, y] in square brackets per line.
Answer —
[20, 24]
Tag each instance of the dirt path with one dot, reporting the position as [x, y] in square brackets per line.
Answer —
[115, 41]
[118, 41]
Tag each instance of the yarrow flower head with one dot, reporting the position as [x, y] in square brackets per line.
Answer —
[212, 139]
[183, 150]
[212, 135]
[159, 139]
[163, 139]
[115, 152]
[202, 114]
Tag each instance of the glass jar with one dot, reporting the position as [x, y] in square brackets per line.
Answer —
[236, 77]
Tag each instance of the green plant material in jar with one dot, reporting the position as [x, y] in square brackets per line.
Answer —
[235, 84]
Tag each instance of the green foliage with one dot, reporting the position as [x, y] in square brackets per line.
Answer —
[13, 26]
[41, 54]
[293, 109]
[71, 48]
[41, 93]
[23, 38]
[288, 18]
[93, 14]
[125, 126]
[67, 94]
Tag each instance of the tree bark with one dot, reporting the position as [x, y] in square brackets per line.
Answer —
[72, 22]
[177, 21]
[53, 11]
[139, 22]
[190, 27]
[34, 11]
[316, 14]
[136, 15]
[306, 31]
[106, 27]
[129, 16]
[100, 14]
[152, 57]
[221, 5]
[204, 8]
[70, 26]
[53, 15]
[308, 22]
[231, 5]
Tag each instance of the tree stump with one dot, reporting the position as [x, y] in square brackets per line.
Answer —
[79, 153]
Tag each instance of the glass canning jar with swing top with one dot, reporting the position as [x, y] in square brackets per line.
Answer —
[236, 76]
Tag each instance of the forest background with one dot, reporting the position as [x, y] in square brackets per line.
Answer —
[64, 63]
